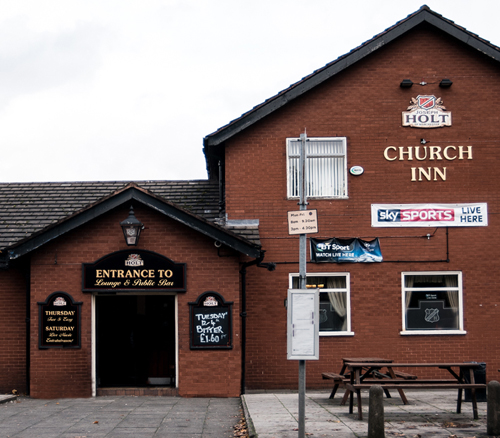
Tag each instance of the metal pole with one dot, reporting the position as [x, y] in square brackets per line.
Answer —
[302, 278]
[302, 398]
[303, 206]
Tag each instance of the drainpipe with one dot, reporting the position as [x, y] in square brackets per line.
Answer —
[243, 271]
[243, 314]
[27, 276]
[25, 269]
[221, 192]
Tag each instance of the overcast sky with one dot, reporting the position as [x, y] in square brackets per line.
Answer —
[100, 90]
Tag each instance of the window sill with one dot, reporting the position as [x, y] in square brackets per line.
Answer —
[318, 198]
[432, 332]
[336, 334]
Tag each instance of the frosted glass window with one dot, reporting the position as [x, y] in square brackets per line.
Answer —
[325, 167]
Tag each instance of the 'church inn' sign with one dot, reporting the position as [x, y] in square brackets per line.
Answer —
[427, 112]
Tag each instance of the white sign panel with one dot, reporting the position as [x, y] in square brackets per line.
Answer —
[430, 215]
[303, 222]
[303, 324]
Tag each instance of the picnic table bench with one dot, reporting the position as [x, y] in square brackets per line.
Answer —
[340, 379]
[360, 378]
[343, 380]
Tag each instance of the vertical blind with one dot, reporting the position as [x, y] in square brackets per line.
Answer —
[325, 168]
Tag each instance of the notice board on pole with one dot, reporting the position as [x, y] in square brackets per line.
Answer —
[303, 324]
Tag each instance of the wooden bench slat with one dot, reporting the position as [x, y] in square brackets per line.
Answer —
[399, 382]
[407, 376]
[332, 376]
[399, 374]
[413, 365]
[418, 385]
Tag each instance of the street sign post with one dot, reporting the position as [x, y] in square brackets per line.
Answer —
[303, 310]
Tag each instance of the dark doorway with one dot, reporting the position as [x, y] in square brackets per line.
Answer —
[135, 340]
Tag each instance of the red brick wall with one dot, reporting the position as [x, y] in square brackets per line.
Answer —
[364, 104]
[67, 373]
[13, 330]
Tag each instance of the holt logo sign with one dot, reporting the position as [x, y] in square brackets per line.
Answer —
[426, 112]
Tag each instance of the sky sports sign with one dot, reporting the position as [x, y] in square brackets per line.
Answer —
[430, 215]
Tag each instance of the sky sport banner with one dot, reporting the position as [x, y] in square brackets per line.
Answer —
[345, 250]
[430, 215]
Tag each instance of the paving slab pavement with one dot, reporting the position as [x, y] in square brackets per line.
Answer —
[430, 414]
[119, 417]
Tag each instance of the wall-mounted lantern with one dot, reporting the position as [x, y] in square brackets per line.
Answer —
[131, 228]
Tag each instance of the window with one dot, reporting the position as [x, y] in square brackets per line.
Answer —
[334, 301]
[326, 167]
[432, 303]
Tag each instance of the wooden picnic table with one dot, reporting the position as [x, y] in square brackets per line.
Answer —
[359, 371]
[342, 377]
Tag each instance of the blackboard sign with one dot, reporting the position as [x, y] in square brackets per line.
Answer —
[59, 322]
[210, 319]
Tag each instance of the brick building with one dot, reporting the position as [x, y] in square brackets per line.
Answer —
[401, 150]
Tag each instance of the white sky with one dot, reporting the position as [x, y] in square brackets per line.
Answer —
[100, 90]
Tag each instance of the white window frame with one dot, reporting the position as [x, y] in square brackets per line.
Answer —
[291, 182]
[459, 288]
[347, 290]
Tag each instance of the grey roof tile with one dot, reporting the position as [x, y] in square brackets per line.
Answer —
[27, 208]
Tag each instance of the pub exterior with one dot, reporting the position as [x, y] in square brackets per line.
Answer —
[401, 137]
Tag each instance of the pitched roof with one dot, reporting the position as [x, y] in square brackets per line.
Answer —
[33, 213]
[423, 15]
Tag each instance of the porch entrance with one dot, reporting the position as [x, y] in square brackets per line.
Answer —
[135, 341]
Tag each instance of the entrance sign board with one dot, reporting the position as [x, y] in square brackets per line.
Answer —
[59, 319]
[210, 322]
[303, 222]
[430, 215]
[134, 270]
[303, 324]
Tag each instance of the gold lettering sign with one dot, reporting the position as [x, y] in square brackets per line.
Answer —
[428, 153]
[59, 321]
[134, 269]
